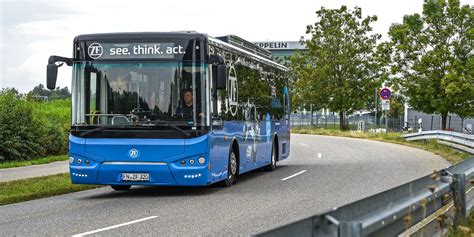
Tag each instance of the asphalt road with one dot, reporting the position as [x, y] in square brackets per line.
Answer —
[331, 171]
[34, 171]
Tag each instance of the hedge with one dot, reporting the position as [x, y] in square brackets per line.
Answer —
[31, 129]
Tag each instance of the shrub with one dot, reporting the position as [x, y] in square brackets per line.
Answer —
[54, 116]
[31, 129]
[19, 132]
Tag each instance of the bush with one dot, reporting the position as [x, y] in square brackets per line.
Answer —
[54, 116]
[31, 129]
[19, 132]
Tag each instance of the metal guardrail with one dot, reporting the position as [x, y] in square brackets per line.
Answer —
[426, 206]
[460, 141]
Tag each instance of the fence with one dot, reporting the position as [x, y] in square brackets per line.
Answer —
[417, 120]
[427, 206]
[352, 122]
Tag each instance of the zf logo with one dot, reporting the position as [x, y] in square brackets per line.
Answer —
[232, 91]
[133, 153]
[95, 50]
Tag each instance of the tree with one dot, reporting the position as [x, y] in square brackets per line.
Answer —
[432, 58]
[58, 93]
[338, 71]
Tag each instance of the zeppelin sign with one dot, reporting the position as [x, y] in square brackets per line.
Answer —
[280, 45]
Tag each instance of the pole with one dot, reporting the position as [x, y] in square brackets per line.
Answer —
[326, 119]
[386, 122]
[375, 103]
[431, 122]
[459, 198]
[311, 111]
[449, 122]
[415, 125]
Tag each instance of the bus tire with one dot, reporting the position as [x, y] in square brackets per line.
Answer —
[274, 157]
[232, 169]
[121, 187]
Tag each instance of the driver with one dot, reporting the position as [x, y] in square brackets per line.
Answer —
[186, 107]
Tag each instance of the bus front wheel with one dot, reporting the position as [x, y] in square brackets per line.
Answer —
[121, 187]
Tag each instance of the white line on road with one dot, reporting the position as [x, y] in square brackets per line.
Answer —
[304, 144]
[320, 155]
[114, 226]
[291, 176]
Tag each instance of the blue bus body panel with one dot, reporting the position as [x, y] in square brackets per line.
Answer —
[161, 158]
[149, 150]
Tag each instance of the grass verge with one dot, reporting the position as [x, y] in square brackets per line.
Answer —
[446, 152]
[466, 230]
[40, 187]
[38, 161]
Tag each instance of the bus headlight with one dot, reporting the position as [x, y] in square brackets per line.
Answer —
[201, 160]
[71, 160]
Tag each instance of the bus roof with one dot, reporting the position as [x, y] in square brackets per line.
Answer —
[175, 35]
[142, 35]
[223, 44]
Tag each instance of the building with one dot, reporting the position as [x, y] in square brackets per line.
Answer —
[281, 50]
[419, 121]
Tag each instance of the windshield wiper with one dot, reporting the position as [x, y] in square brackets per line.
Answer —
[155, 123]
[100, 129]
[158, 123]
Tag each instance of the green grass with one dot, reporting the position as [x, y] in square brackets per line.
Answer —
[466, 230]
[40, 187]
[39, 161]
[446, 152]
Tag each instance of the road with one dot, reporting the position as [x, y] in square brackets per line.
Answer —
[321, 173]
[31, 171]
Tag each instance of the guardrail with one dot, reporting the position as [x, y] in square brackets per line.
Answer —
[460, 141]
[427, 206]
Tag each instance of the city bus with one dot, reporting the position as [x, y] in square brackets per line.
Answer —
[173, 109]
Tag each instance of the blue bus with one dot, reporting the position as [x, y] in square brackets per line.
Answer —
[173, 109]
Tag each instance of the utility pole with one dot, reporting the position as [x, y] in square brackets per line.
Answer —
[375, 102]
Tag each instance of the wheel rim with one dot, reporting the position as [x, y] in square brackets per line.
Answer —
[233, 165]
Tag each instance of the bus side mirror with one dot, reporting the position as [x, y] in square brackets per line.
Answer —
[51, 76]
[221, 78]
[52, 70]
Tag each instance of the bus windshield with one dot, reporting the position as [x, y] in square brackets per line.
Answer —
[139, 94]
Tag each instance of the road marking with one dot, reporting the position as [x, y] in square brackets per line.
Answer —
[304, 144]
[115, 226]
[291, 176]
[320, 155]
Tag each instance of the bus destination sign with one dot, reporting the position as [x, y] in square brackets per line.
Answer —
[135, 50]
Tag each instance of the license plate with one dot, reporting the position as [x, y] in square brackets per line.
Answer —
[135, 177]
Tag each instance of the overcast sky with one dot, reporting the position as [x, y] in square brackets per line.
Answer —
[32, 30]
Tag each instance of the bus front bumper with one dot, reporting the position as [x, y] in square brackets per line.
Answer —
[160, 174]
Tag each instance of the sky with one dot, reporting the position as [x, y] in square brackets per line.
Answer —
[32, 30]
